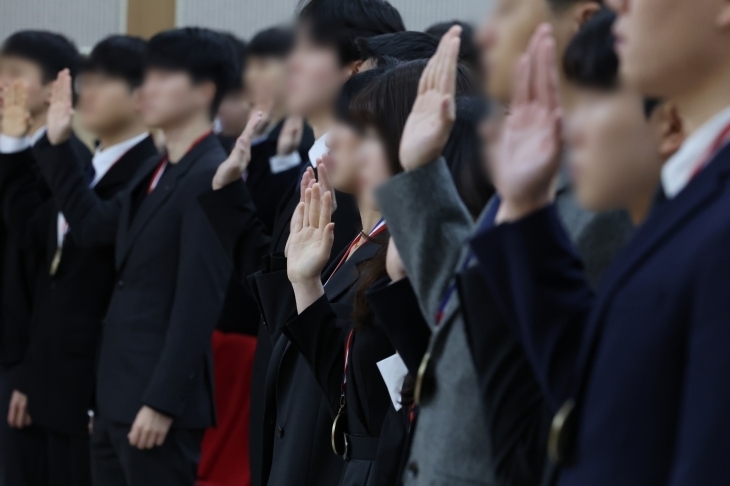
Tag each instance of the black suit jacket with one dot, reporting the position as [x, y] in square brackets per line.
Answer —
[19, 267]
[58, 370]
[171, 277]
[234, 218]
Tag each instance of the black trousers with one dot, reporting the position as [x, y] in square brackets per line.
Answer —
[36, 456]
[116, 463]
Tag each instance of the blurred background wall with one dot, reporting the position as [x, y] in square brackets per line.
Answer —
[87, 21]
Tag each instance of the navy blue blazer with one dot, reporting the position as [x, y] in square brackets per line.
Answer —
[646, 359]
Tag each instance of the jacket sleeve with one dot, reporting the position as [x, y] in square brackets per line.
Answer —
[233, 218]
[202, 279]
[94, 220]
[430, 226]
[702, 424]
[317, 336]
[537, 280]
[274, 294]
[396, 307]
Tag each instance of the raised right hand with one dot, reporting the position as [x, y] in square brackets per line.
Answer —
[16, 118]
[236, 164]
[59, 122]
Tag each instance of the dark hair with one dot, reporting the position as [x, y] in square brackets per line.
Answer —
[52, 52]
[468, 51]
[385, 105]
[202, 53]
[351, 89]
[562, 5]
[339, 23]
[404, 46]
[119, 56]
[240, 49]
[590, 60]
[272, 42]
[463, 154]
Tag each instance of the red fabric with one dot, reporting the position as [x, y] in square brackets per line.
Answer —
[224, 460]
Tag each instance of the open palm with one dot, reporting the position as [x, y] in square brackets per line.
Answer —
[310, 242]
[59, 121]
[236, 164]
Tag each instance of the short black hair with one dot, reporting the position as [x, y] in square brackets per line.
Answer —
[339, 23]
[52, 52]
[468, 51]
[272, 42]
[590, 60]
[408, 45]
[563, 5]
[240, 48]
[204, 54]
[119, 56]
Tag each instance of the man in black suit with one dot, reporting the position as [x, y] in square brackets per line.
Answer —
[30, 61]
[54, 383]
[323, 57]
[154, 393]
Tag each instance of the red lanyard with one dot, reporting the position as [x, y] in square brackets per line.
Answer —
[348, 347]
[163, 163]
[379, 228]
[721, 139]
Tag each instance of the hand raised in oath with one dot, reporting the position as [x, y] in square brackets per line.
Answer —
[528, 160]
[236, 164]
[434, 112]
[59, 122]
[16, 118]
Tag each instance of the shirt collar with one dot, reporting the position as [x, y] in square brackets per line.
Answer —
[104, 159]
[318, 149]
[679, 169]
[33, 139]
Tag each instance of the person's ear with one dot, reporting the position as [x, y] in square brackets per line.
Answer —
[136, 95]
[670, 129]
[353, 68]
[723, 19]
[209, 89]
[582, 12]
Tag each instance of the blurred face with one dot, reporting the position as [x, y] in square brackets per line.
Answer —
[373, 168]
[670, 47]
[106, 104]
[615, 151]
[343, 143]
[170, 97]
[234, 112]
[315, 77]
[266, 79]
[17, 68]
[504, 38]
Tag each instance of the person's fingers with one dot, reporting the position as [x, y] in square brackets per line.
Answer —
[325, 216]
[448, 74]
[304, 184]
[328, 238]
[160, 438]
[553, 83]
[315, 207]
[521, 92]
[150, 439]
[27, 420]
[324, 177]
[133, 435]
[307, 206]
[542, 74]
[253, 122]
[534, 54]
[298, 218]
[12, 410]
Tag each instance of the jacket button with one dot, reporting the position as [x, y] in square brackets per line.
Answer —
[120, 284]
[279, 432]
[413, 469]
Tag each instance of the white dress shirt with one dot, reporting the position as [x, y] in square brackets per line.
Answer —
[318, 150]
[102, 161]
[280, 163]
[12, 145]
[681, 167]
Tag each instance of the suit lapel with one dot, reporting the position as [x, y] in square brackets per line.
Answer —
[666, 219]
[128, 164]
[347, 275]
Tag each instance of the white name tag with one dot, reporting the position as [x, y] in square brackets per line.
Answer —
[281, 163]
[394, 371]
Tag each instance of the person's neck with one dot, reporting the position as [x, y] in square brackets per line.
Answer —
[369, 218]
[128, 131]
[320, 123]
[37, 122]
[179, 138]
[278, 113]
[704, 101]
[640, 206]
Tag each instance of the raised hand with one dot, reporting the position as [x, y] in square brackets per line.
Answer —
[16, 118]
[59, 121]
[529, 155]
[434, 112]
[263, 103]
[290, 136]
[310, 242]
[393, 263]
[236, 164]
[308, 180]
[325, 183]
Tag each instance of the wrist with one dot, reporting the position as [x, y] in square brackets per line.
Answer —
[512, 210]
[307, 292]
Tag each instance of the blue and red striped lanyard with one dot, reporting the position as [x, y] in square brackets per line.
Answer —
[379, 228]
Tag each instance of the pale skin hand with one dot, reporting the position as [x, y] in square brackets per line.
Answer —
[15, 115]
[59, 122]
[149, 429]
[18, 416]
[310, 245]
[308, 180]
[325, 183]
[529, 155]
[291, 135]
[236, 164]
[434, 112]
[393, 263]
